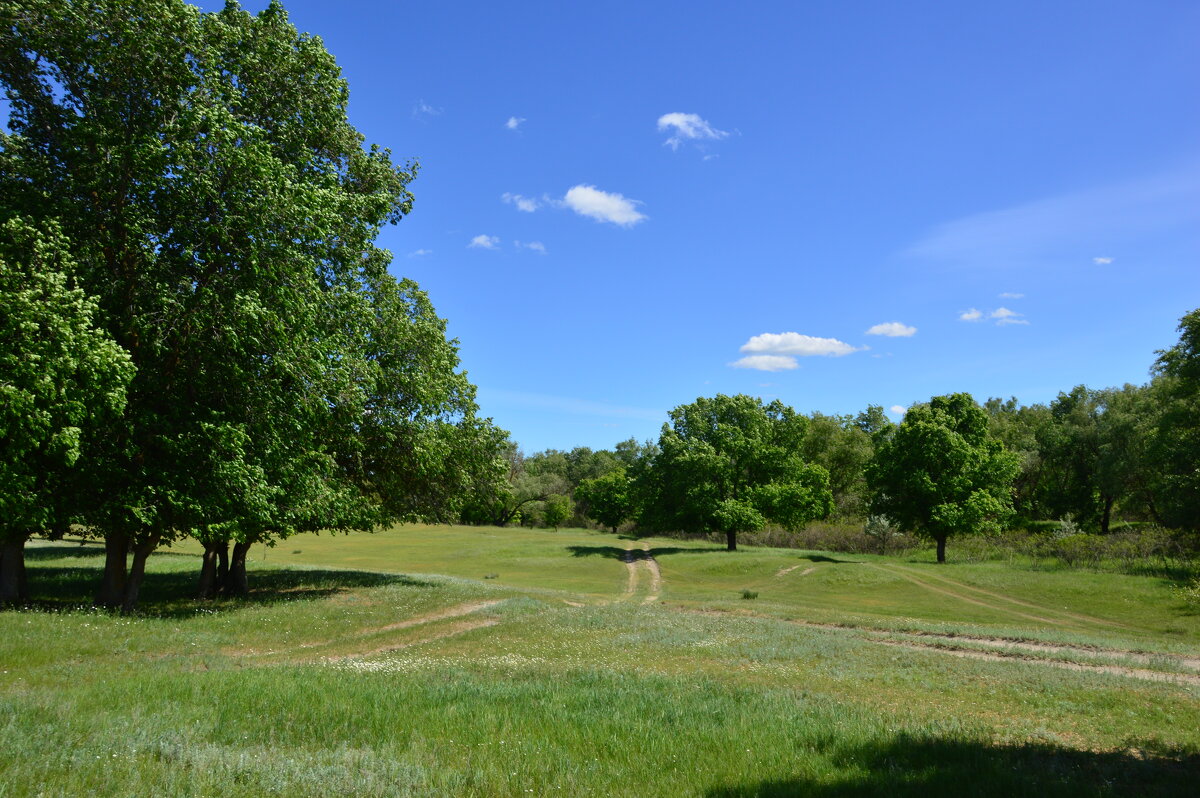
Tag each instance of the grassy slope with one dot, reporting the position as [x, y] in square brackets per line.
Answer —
[323, 683]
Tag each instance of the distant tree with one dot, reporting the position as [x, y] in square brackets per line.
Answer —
[62, 380]
[1094, 451]
[941, 473]
[1025, 430]
[874, 421]
[843, 448]
[557, 509]
[607, 499]
[1175, 450]
[731, 464]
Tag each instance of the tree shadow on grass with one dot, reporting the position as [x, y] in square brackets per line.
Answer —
[617, 553]
[926, 767]
[172, 593]
[823, 558]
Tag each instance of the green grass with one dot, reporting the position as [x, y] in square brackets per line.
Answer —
[388, 665]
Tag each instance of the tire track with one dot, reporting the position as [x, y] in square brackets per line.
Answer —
[967, 599]
[656, 580]
[1067, 613]
[1118, 670]
[453, 630]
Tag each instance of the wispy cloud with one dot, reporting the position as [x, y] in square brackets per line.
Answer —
[687, 127]
[484, 242]
[898, 409]
[423, 110]
[536, 246]
[602, 206]
[792, 343]
[1005, 316]
[514, 122]
[1056, 229]
[1102, 261]
[527, 204]
[970, 315]
[1009, 295]
[766, 363]
[567, 405]
[893, 329]
[420, 253]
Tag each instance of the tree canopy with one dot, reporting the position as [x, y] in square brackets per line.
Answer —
[222, 211]
[731, 464]
[941, 473]
[61, 381]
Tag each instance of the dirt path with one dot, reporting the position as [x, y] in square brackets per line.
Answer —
[1054, 654]
[1119, 670]
[453, 630]
[655, 575]
[788, 570]
[1019, 602]
[358, 638]
[631, 572]
[456, 611]
[636, 561]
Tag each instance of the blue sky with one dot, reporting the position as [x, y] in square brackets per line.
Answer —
[626, 205]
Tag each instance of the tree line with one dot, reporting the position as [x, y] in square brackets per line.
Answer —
[733, 464]
[198, 334]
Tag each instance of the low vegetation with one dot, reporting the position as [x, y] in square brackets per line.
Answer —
[592, 664]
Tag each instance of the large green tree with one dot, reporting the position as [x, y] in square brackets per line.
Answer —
[61, 381]
[732, 464]
[223, 212]
[941, 473]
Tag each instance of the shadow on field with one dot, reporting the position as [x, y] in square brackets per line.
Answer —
[620, 554]
[823, 558]
[171, 593]
[923, 767]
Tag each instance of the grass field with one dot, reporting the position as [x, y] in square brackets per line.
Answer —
[464, 661]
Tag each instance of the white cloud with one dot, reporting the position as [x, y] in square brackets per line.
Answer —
[766, 363]
[417, 253]
[899, 409]
[687, 126]
[424, 109]
[1005, 316]
[536, 246]
[527, 204]
[602, 206]
[514, 122]
[1102, 261]
[1053, 230]
[484, 242]
[970, 315]
[893, 329]
[1008, 295]
[791, 343]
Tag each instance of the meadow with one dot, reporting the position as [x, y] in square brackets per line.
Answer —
[439, 660]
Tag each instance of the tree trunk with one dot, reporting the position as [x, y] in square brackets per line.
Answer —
[13, 589]
[236, 583]
[941, 548]
[222, 563]
[1106, 516]
[731, 541]
[209, 578]
[112, 585]
[137, 570]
